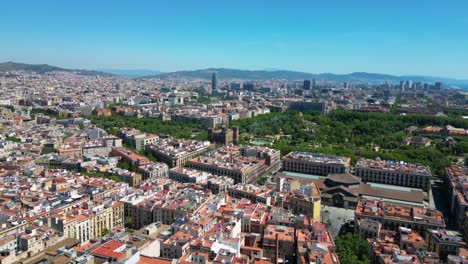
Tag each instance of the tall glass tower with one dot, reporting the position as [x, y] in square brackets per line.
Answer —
[214, 83]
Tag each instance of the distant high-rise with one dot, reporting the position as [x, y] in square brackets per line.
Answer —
[235, 86]
[214, 82]
[249, 86]
[306, 84]
[438, 85]
[314, 85]
[408, 85]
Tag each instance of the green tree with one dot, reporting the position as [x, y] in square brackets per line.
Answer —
[128, 221]
[47, 150]
[105, 232]
[13, 139]
[351, 249]
[151, 125]
[127, 166]
[262, 180]
[353, 134]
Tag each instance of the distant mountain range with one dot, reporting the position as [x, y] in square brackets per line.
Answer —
[245, 75]
[45, 68]
[273, 74]
[131, 73]
[270, 74]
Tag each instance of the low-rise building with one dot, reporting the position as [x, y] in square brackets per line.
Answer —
[417, 141]
[115, 251]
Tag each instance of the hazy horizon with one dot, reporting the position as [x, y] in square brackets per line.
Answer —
[122, 71]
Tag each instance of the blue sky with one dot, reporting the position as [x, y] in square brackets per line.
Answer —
[395, 36]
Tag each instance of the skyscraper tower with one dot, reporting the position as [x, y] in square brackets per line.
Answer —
[214, 82]
[306, 84]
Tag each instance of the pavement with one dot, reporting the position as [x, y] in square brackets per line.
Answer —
[336, 217]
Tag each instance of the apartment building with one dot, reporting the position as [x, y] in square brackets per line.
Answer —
[393, 216]
[176, 246]
[187, 175]
[95, 148]
[206, 118]
[445, 242]
[394, 173]
[128, 135]
[36, 239]
[129, 156]
[165, 206]
[154, 170]
[224, 136]
[144, 140]
[219, 184]
[112, 141]
[410, 240]
[458, 188]
[386, 251]
[87, 224]
[106, 218]
[132, 178]
[243, 164]
[311, 245]
[251, 192]
[368, 228]
[306, 201]
[315, 163]
[177, 152]
[271, 156]
[72, 150]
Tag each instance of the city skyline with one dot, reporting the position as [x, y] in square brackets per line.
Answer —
[241, 132]
[398, 38]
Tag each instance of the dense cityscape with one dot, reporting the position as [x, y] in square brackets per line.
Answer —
[98, 168]
[233, 132]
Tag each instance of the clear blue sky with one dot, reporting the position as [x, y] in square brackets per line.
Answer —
[395, 36]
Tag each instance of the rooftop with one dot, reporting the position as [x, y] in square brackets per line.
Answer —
[317, 157]
[111, 249]
[390, 165]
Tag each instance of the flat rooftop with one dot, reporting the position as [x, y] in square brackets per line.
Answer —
[317, 157]
[390, 165]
